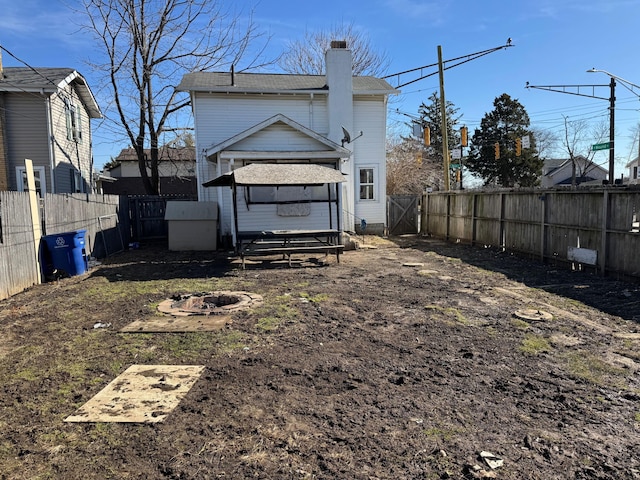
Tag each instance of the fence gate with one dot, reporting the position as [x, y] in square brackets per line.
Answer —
[146, 215]
[402, 214]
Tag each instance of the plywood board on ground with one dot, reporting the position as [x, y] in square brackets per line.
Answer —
[141, 394]
[192, 323]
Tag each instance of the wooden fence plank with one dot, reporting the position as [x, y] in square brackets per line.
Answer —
[18, 257]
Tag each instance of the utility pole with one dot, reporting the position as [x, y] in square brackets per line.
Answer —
[440, 71]
[612, 123]
[443, 118]
[612, 105]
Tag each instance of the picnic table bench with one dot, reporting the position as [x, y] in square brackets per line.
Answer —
[288, 242]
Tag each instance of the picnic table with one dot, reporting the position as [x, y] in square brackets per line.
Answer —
[288, 242]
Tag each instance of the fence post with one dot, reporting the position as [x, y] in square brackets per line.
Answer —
[474, 199]
[35, 215]
[503, 238]
[605, 224]
[543, 219]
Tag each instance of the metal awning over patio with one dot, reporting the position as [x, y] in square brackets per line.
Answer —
[272, 174]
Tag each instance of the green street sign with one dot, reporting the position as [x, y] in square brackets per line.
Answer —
[454, 166]
[601, 146]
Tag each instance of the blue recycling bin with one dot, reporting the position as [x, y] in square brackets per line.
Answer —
[67, 252]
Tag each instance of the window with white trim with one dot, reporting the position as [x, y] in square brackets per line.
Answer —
[38, 174]
[367, 183]
[74, 122]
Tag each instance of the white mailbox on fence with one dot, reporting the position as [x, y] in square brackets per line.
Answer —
[192, 225]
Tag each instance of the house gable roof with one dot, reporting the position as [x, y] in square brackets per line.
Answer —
[335, 150]
[48, 80]
[181, 154]
[560, 165]
[633, 162]
[226, 82]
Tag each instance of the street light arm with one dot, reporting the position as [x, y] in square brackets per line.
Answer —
[625, 83]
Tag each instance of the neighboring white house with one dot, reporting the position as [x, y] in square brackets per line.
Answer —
[337, 120]
[559, 172]
[633, 171]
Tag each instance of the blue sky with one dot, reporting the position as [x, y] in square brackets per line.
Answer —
[555, 42]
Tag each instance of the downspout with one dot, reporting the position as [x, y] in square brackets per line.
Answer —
[311, 111]
[51, 146]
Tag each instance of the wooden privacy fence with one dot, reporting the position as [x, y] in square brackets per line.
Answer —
[18, 266]
[103, 218]
[593, 227]
[106, 228]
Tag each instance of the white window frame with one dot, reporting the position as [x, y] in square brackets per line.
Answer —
[74, 121]
[38, 173]
[373, 184]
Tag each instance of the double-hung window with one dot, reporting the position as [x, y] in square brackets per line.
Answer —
[40, 181]
[367, 183]
[74, 122]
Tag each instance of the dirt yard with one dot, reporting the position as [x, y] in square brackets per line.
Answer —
[405, 361]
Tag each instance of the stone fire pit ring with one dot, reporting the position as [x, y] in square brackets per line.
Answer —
[223, 302]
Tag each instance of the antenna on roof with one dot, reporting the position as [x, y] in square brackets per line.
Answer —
[347, 136]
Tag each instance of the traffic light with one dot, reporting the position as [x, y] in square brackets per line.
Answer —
[427, 136]
[496, 147]
[463, 137]
[518, 146]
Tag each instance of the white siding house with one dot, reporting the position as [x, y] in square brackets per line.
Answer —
[558, 172]
[244, 118]
[633, 177]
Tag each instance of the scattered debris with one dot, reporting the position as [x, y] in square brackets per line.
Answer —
[491, 460]
[101, 325]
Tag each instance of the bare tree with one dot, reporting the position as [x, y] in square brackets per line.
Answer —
[545, 141]
[577, 140]
[306, 56]
[147, 45]
[409, 168]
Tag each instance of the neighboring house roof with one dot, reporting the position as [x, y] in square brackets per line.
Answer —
[48, 80]
[552, 164]
[278, 174]
[558, 171]
[341, 152]
[632, 163]
[174, 154]
[226, 82]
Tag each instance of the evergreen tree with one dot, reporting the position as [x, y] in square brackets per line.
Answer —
[430, 117]
[507, 122]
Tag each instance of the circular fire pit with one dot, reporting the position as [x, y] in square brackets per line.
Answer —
[210, 303]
